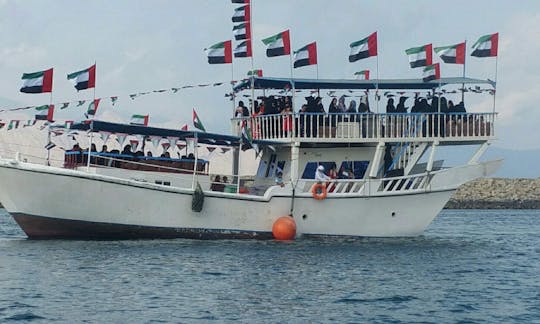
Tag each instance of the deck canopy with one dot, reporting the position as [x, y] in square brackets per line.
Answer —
[202, 137]
[343, 84]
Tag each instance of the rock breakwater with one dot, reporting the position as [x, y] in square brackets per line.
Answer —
[497, 193]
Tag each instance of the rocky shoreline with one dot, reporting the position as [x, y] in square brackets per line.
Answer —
[497, 193]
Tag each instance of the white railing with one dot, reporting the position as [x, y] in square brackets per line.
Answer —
[370, 127]
[369, 187]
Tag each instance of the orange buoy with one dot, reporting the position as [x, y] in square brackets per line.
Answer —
[284, 228]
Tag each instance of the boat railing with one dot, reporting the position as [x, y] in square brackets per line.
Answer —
[75, 159]
[368, 186]
[369, 127]
[334, 186]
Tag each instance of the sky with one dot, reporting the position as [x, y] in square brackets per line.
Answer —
[141, 46]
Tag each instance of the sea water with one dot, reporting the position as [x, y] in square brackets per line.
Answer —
[469, 266]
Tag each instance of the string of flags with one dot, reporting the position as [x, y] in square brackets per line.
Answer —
[114, 99]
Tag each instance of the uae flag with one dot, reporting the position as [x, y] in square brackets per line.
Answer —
[45, 112]
[257, 73]
[278, 45]
[84, 79]
[486, 46]
[242, 31]
[241, 14]
[13, 124]
[362, 75]
[364, 48]
[420, 56]
[197, 122]
[307, 55]
[37, 82]
[243, 49]
[454, 54]
[220, 53]
[139, 120]
[92, 107]
[431, 72]
[246, 138]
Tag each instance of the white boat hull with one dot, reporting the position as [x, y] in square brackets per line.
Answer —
[51, 202]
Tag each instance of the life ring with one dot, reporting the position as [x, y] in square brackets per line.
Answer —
[318, 191]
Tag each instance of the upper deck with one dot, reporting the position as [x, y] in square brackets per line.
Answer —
[371, 128]
[446, 128]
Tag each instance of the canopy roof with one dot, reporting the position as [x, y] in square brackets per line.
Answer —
[205, 138]
[383, 84]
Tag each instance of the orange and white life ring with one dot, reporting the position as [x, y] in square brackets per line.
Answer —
[318, 191]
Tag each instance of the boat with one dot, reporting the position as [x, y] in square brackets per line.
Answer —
[395, 187]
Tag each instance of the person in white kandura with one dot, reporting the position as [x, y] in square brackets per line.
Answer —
[320, 176]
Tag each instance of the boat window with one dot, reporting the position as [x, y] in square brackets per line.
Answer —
[262, 169]
[280, 167]
[271, 165]
[311, 167]
[359, 168]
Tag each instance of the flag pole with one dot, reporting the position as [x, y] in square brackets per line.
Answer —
[252, 59]
[292, 82]
[232, 89]
[49, 132]
[377, 84]
[91, 127]
[464, 64]
[495, 93]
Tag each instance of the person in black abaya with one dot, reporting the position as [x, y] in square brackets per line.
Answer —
[401, 105]
[390, 109]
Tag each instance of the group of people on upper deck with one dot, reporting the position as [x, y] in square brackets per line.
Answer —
[283, 105]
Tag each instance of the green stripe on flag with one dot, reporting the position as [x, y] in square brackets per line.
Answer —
[41, 108]
[272, 39]
[414, 50]
[360, 42]
[33, 75]
[482, 39]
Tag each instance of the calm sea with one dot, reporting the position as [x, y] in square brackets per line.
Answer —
[470, 266]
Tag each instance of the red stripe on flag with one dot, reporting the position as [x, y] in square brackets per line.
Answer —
[372, 44]
[248, 47]
[47, 80]
[460, 53]
[146, 120]
[494, 44]
[247, 12]
[429, 54]
[50, 113]
[312, 53]
[92, 76]
[228, 51]
[437, 71]
[285, 36]
[248, 30]
[366, 75]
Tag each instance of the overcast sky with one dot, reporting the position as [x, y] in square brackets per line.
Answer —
[151, 45]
